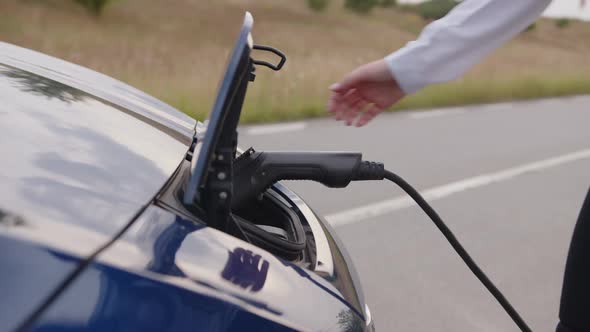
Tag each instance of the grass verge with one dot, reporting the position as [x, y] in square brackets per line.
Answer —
[467, 92]
[180, 60]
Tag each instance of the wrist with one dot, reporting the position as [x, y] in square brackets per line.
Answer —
[404, 73]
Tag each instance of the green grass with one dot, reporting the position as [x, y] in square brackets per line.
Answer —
[468, 92]
[481, 91]
[181, 60]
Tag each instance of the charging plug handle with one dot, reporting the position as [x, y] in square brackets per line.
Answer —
[255, 172]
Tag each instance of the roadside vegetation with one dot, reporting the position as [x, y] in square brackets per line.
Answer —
[177, 51]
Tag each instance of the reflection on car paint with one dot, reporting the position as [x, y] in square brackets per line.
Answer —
[183, 253]
[8, 219]
[96, 84]
[80, 162]
[81, 171]
[104, 298]
[334, 263]
[41, 86]
[246, 269]
[29, 274]
[166, 246]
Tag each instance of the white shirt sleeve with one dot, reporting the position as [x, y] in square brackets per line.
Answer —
[448, 47]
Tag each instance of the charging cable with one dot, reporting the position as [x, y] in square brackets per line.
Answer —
[257, 171]
[448, 234]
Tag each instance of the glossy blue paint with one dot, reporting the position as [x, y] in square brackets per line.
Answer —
[163, 247]
[334, 262]
[104, 298]
[84, 154]
[99, 85]
[28, 274]
[74, 166]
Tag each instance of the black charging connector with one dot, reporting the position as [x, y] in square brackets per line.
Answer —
[255, 172]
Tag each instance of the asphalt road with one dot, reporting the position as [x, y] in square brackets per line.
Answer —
[509, 179]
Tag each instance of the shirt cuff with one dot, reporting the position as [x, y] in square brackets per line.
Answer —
[404, 70]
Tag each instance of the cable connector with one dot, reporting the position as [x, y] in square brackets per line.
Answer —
[255, 172]
[369, 170]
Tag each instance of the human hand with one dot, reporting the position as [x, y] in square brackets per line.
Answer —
[364, 93]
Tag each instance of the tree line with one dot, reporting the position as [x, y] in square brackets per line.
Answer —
[430, 10]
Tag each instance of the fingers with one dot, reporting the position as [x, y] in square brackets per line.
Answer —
[376, 71]
[346, 106]
[349, 81]
[335, 105]
[371, 113]
[344, 100]
[351, 106]
[355, 106]
[370, 87]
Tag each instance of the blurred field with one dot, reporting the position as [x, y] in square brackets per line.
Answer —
[176, 50]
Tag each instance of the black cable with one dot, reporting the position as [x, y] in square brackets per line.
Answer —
[240, 229]
[415, 195]
[257, 171]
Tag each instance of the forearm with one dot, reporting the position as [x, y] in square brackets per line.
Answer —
[450, 46]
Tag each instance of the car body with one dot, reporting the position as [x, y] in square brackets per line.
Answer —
[89, 243]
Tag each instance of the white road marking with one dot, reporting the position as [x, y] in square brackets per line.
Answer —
[363, 213]
[418, 115]
[275, 128]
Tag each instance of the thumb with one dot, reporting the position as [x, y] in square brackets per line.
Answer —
[348, 82]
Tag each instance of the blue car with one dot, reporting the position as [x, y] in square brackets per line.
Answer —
[115, 213]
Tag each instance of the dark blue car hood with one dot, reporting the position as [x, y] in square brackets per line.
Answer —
[82, 153]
